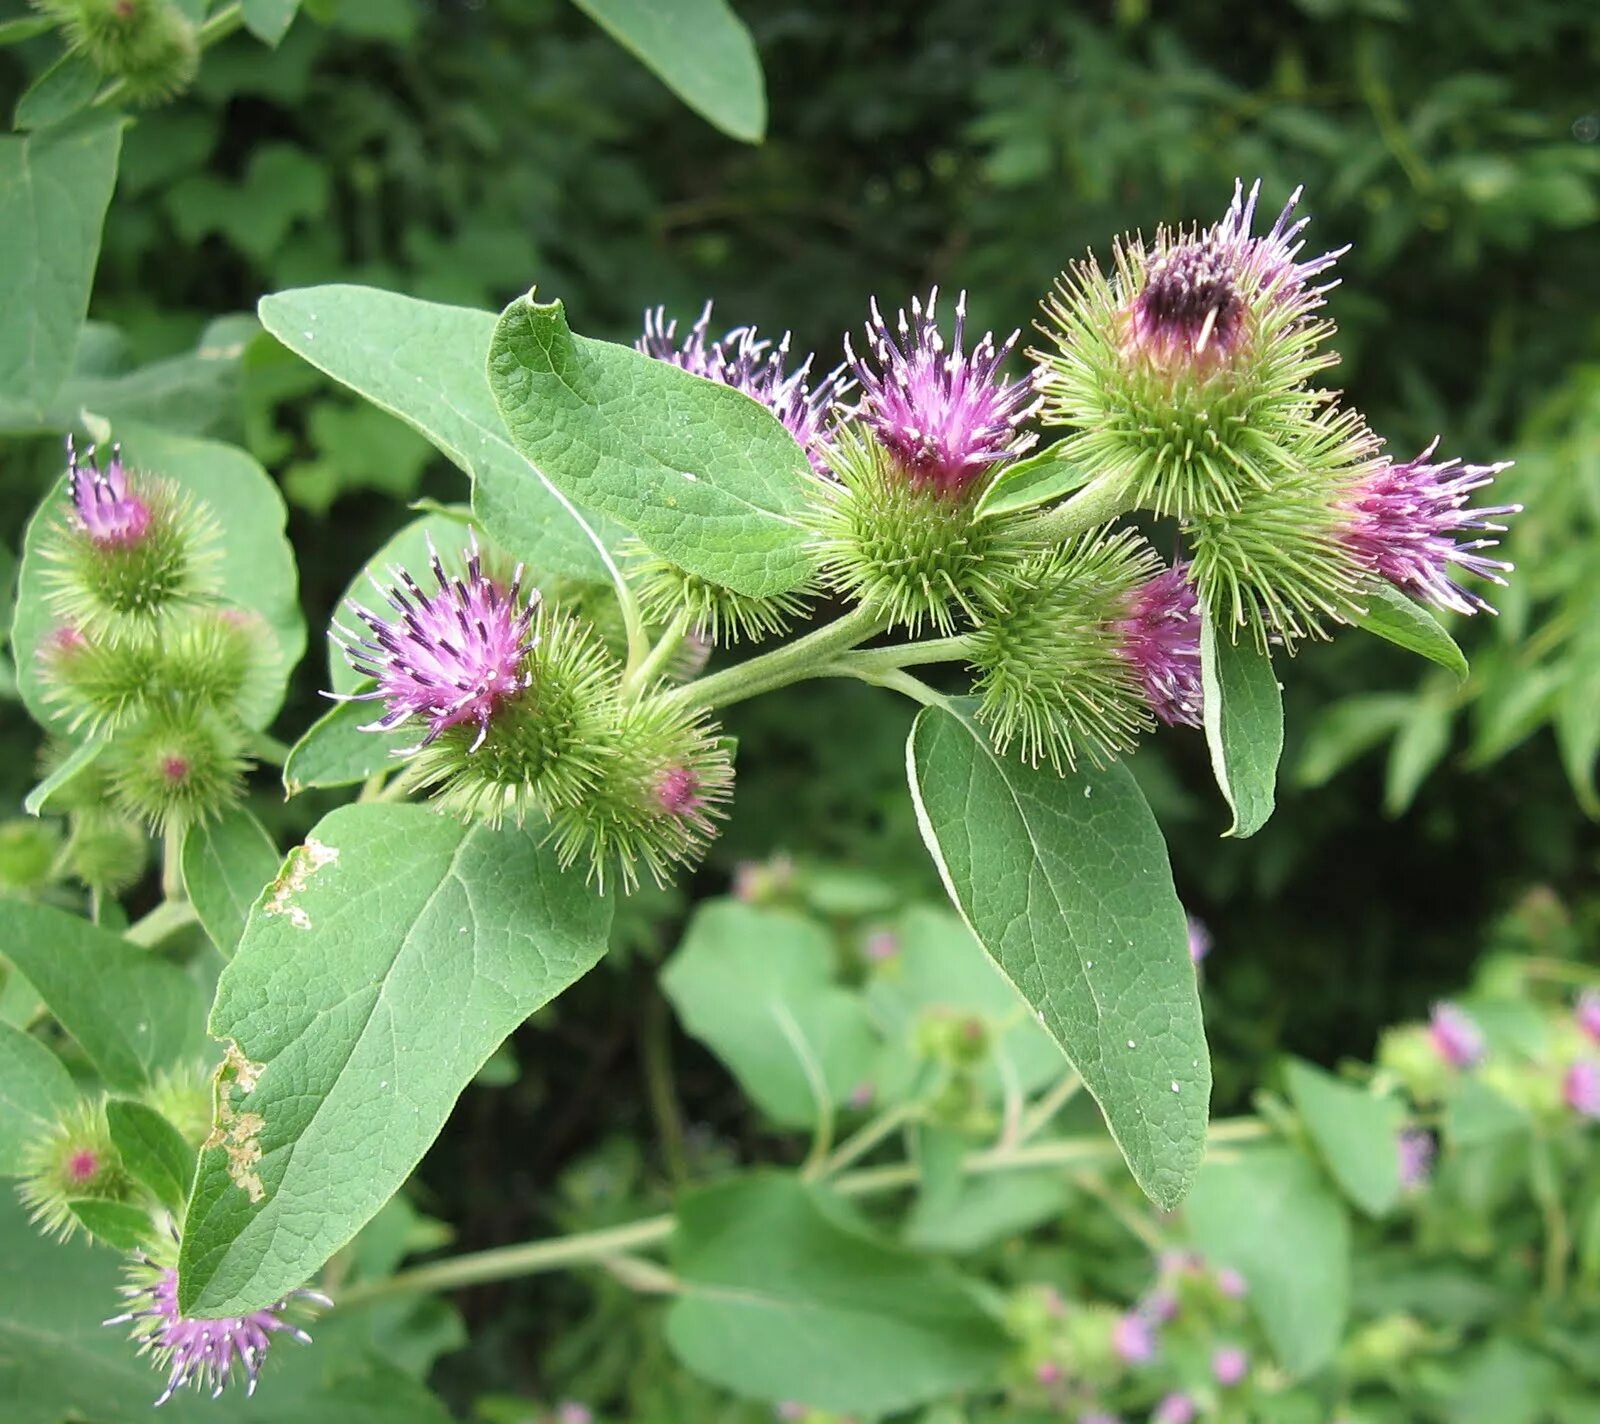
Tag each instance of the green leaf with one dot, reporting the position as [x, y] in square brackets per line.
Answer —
[700, 50]
[1243, 710]
[118, 1224]
[335, 751]
[1407, 624]
[1577, 714]
[57, 1361]
[269, 20]
[701, 473]
[375, 977]
[1419, 746]
[1065, 882]
[35, 1092]
[153, 1150]
[64, 89]
[757, 988]
[255, 563]
[1345, 730]
[780, 1300]
[1029, 483]
[1356, 1132]
[1476, 1114]
[15, 31]
[1271, 1215]
[132, 1014]
[426, 364]
[72, 766]
[54, 188]
[226, 864]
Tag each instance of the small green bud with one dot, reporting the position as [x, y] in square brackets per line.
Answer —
[97, 684]
[1053, 674]
[151, 45]
[183, 1096]
[106, 851]
[1409, 1053]
[910, 551]
[28, 850]
[222, 659]
[959, 1041]
[72, 1160]
[176, 767]
[717, 615]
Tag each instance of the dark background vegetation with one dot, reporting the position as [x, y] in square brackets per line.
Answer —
[463, 151]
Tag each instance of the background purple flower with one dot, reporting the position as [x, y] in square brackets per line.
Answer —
[110, 510]
[449, 657]
[1199, 938]
[1133, 1339]
[1229, 1365]
[1404, 519]
[945, 415]
[749, 364]
[1416, 1148]
[1456, 1036]
[1587, 1013]
[1174, 1409]
[1232, 1284]
[1160, 636]
[1581, 1088]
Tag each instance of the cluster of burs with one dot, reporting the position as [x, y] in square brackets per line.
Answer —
[149, 49]
[155, 682]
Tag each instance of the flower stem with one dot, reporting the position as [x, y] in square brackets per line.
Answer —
[803, 658]
[172, 863]
[167, 918]
[596, 1247]
[1098, 502]
[901, 655]
[660, 655]
[867, 1137]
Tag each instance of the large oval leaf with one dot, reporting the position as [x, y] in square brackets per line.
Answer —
[425, 362]
[1243, 711]
[783, 1301]
[701, 473]
[35, 1091]
[1065, 881]
[376, 976]
[226, 863]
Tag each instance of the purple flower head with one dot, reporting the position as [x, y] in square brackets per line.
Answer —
[1198, 290]
[1232, 1284]
[108, 507]
[1199, 938]
[755, 367]
[1456, 1036]
[1161, 638]
[207, 1354]
[452, 656]
[1587, 1013]
[1099, 1416]
[1175, 1408]
[1403, 523]
[946, 416]
[572, 1412]
[1049, 1373]
[1581, 1088]
[1416, 1148]
[1229, 1365]
[1133, 1339]
[1161, 1305]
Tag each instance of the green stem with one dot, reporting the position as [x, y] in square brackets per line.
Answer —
[660, 655]
[793, 662]
[655, 1052]
[1557, 1234]
[1038, 1117]
[167, 918]
[902, 655]
[593, 1247]
[215, 29]
[861, 1142]
[892, 678]
[1098, 502]
[172, 863]
[269, 749]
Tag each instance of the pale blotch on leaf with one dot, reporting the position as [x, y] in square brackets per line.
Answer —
[238, 1133]
[303, 862]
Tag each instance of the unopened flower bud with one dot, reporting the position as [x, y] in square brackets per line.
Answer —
[72, 1161]
[107, 851]
[28, 850]
[1456, 1037]
[1229, 1366]
[150, 45]
[176, 767]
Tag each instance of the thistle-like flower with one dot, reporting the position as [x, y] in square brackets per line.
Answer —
[1586, 1013]
[1133, 1339]
[1416, 1148]
[199, 1353]
[1456, 1037]
[1403, 523]
[755, 367]
[1161, 639]
[177, 766]
[127, 550]
[74, 1160]
[946, 416]
[1580, 1088]
[453, 656]
[1229, 1365]
[1186, 366]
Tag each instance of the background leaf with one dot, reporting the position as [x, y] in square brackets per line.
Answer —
[1243, 710]
[1270, 1215]
[757, 987]
[269, 20]
[131, 1013]
[704, 475]
[394, 954]
[1065, 882]
[1356, 1132]
[781, 1301]
[334, 751]
[425, 363]
[35, 1090]
[700, 50]
[54, 188]
[226, 864]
